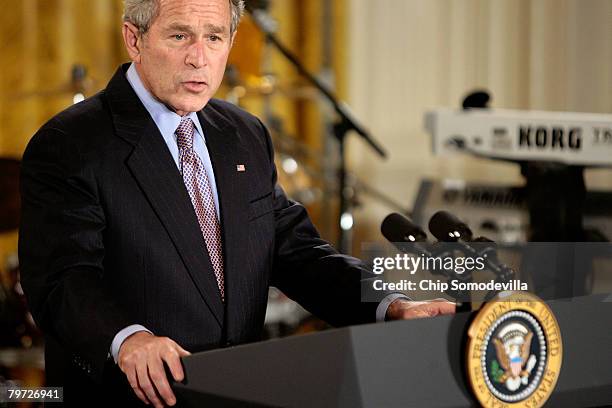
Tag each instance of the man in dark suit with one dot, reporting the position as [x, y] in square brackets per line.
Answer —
[152, 223]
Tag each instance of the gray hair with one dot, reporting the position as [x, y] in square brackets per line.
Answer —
[141, 13]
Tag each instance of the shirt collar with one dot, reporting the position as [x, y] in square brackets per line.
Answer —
[166, 120]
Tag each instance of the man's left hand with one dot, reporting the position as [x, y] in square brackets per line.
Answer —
[402, 309]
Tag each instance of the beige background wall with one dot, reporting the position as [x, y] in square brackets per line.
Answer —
[408, 56]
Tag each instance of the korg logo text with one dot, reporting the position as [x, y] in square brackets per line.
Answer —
[542, 137]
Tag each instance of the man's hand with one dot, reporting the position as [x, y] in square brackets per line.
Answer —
[142, 356]
[402, 309]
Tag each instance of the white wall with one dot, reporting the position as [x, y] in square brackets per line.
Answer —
[407, 56]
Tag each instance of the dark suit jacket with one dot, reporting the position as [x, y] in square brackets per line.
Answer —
[109, 238]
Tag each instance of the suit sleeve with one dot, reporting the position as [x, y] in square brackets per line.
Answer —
[61, 251]
[310, 271]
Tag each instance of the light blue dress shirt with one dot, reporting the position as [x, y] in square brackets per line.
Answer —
[167, 122]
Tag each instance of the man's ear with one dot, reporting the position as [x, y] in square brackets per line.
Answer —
[133, 41]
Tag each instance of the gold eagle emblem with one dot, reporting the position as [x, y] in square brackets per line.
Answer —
[512, 346]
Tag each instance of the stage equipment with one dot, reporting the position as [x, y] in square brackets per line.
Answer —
[346, 122]
[552, 148]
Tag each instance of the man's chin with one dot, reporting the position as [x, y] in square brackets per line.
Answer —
[185, 108]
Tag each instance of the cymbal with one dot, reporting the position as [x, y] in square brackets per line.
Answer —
[79, 83]
[64, 90]
[267, 85]
[10, 203]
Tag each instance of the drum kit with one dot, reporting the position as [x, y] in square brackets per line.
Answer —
[308, 175]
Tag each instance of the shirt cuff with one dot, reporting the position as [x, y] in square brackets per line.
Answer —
[122, 335]
[381, 310]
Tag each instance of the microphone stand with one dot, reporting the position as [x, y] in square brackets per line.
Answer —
[477, 247]
[463, 299]
[442, 249]
[344, 124]
[502, 272]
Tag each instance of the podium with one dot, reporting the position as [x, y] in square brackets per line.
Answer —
[415, 363]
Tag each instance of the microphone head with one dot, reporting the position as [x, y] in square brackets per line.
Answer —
[397, 228]
[448, 228]
[257, 4]
[478, 99]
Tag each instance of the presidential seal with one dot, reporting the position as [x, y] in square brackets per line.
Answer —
[514, 351]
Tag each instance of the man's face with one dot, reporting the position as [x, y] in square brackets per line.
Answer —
[182, 57]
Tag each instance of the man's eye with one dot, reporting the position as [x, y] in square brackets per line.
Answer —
[179, 37]
[214, 38]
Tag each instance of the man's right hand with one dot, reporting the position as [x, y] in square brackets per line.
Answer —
[142, 356]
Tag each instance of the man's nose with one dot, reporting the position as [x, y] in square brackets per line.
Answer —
[196, 55]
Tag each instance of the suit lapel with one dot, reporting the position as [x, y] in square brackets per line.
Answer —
[226, 153]
[156, 173]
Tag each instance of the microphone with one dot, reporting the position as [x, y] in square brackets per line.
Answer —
[257, 5]
[261, 18]
[398, 228]
[448, 228]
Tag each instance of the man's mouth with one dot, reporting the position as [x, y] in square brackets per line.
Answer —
[195, 86]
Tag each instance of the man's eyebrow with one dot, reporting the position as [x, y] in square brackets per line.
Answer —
[215, 29]
[210, 28]
[179, 27]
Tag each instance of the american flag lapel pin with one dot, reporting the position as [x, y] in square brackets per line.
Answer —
[240, 168]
